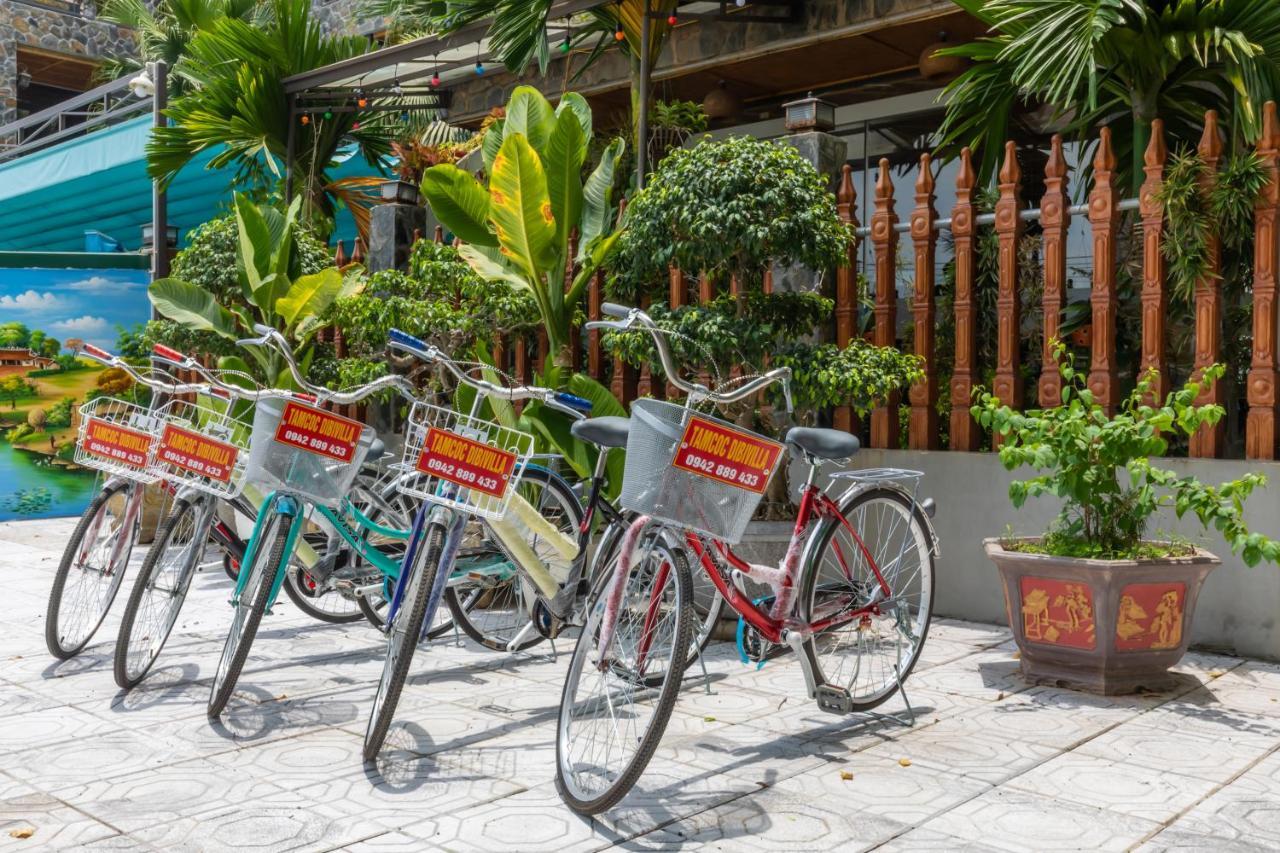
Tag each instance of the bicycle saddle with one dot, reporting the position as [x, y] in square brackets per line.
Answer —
[823, 443]
[609, 431]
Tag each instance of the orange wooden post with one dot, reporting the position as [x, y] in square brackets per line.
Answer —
[847, 283]
[964, 430]
[1104, 299]
[1008, 379]
[358, 254]
[595, 355]
[1155, 296]
[439, 235]
[677, 297]
[575, 332]
[922, 432]
[884, 419]
[501, 353]
[1055, 219]
[340, 256]
[1260, 426]
[1208, 441]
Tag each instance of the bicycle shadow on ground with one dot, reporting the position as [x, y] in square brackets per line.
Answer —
[256, 714]
[87, 660]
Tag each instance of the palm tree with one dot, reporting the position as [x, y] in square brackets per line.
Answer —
[236, 103]
[164, 30]
[1120, 63]
[518, 34]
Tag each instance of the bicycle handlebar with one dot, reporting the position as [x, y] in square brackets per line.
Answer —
[574, 406]
[110, 360]
[631, 317]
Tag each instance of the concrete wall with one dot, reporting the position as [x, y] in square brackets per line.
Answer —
[1238, 611]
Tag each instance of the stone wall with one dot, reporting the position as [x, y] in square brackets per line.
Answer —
[342, 16]
[23, 24]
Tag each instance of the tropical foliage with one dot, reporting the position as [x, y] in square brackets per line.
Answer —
[273, 291]
[1100, 467]
[1120, 63]
[236, 105]
[520, 228]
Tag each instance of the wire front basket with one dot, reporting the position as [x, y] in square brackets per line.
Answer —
[695, 471]
[118, 437]
[462, 462]
[204, 444]
[303, 450]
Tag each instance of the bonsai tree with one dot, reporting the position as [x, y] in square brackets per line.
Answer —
[1100, 466]
[519, 228]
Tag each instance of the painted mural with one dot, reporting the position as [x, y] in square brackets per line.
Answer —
[42, 385]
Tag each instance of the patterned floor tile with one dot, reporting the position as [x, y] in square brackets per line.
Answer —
[52, 823]
[958, 746]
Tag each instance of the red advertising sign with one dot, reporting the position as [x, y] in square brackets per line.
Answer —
[727, 455]
[116, 443]
[197, 453]
[319, 432]
[466, 462]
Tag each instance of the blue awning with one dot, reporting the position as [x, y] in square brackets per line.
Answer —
[99, 182]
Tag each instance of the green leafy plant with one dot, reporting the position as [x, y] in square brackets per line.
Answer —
[519, 228]
[1100, 466]
[728, 207]
[272, 290]
[681, 115]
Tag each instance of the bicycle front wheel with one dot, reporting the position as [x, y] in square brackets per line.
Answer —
[93, 567]
[406, 630]
[268, 560]
[874, 638]
[160, 590]
[618, 699]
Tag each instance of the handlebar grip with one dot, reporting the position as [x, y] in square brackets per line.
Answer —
[168, 353]
[96, 352]
[405, 339]
[264, 330]
[574, 402]
[615, 310]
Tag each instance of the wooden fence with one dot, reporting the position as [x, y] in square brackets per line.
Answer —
[1104, 210]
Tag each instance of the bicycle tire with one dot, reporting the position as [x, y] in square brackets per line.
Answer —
[667, 692]
[295, 578]
[267, 563]
[54, 640]
[403, 639]
[157, 561]
[463, 600]
[903, 507]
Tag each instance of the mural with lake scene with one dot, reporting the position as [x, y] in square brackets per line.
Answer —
[42, 385]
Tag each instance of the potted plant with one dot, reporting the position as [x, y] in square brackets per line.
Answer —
[420, 149]
[1093, 602]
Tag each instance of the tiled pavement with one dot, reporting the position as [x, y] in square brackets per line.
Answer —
[747, 763]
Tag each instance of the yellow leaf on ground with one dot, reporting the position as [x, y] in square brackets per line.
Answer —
[24, 832]
[905, 762]
[708, 719]
[846, 775]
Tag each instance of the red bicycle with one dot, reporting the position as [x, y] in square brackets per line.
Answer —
[852, 596]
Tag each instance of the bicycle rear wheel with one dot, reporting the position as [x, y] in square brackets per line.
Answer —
[870, 653]
[268, 560]
[406, 630]
[617, 700]
[160, 590]
[493, 602]
[93, 566]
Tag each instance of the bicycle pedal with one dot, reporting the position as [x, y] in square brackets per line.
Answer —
[833, 699]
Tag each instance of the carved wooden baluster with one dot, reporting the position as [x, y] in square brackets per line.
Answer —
[677, 296]
[964, 430]
[1008, 379]
[1055, 219]
[884, 419]
[646, 386]
[358, 255]
[417, 235]
[1260, 427]
[595, 298]
[922, 433]
[1104, 300]
[1208, 441]
[523, 371]
[502, 352]
[340, 256]
[847, 283]
[575, 332]
[1155, 297]
[439, 235]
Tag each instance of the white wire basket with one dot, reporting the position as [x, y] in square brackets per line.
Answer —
[464, 462]
[303, 450]
[118, 437]
[204, 445]
[719, 483]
